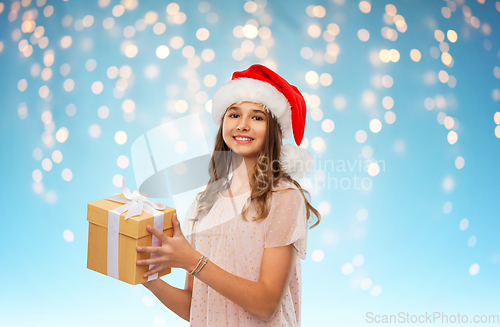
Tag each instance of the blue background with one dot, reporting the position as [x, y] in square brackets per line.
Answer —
[412, 247]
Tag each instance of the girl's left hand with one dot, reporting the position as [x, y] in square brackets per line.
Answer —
[175, 251]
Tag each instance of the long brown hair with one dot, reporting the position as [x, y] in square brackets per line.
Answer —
[262, 180]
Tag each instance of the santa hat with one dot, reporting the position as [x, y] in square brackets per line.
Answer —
[284, 101]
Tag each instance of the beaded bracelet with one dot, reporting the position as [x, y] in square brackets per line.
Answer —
[204, 263]
[201, 259]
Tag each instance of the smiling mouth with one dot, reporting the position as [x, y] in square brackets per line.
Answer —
[243, 139]
[251, 139]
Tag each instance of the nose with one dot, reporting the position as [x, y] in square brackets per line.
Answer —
[242, 125]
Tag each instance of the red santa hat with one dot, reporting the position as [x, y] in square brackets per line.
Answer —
[284, 101]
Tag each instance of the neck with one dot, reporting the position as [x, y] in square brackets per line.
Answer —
[242, 171]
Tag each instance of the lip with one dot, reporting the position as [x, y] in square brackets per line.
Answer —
[242, 142]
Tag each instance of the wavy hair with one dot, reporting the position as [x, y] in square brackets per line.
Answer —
[262, 179]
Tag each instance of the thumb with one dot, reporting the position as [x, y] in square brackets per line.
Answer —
[176, 225]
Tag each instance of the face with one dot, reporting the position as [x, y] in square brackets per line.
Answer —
[245, 120]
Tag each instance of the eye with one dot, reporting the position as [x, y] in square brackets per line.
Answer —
[259, 117]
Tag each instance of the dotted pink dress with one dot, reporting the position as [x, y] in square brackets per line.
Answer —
[237, 246]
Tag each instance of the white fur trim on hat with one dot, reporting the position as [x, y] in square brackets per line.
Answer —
[253, 90]
[297, 162]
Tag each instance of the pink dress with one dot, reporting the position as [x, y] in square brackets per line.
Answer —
[237, 246]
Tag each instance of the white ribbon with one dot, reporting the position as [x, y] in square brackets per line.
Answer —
[135, 203]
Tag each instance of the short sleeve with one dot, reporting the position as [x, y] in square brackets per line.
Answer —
[287, 222]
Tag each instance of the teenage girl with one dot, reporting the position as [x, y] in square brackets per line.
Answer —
[247, 233]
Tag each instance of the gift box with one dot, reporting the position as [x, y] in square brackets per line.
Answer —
[118, 257]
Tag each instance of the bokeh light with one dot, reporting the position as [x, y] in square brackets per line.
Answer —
[375, 125]
[162, 51]
[464, 224]
[68, 236]
[347, 269]
[360, 136]
[365, 6]
[376, 290]
[95, 131]
[120, 137]
[474, 269]
[46, 164]
[363, 35]
[62, 135]
[327, 125]
[57, 156]
[67, 174]
[366, 284]
[415, 55]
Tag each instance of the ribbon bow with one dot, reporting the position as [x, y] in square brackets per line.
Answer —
[135, 202]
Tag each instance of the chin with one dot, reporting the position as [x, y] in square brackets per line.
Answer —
[241, 153]
[244, 153]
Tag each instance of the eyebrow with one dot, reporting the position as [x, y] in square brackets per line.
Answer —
[254, 110]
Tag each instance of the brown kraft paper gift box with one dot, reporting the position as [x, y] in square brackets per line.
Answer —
[133, 233]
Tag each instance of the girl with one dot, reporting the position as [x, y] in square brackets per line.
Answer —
[247, 271]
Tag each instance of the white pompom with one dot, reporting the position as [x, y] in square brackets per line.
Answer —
[297, 162]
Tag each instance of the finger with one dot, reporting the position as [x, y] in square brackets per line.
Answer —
[176, 225]
[153, 271]
[149, 249]
[159, 234]
[145, 262]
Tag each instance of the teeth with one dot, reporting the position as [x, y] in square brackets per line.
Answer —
[242, 139]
